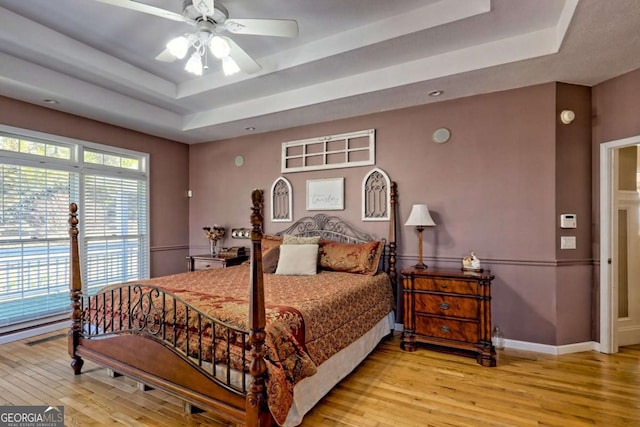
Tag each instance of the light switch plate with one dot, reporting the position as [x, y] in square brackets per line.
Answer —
[567, 242]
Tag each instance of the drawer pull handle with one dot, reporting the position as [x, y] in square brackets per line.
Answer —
[445, 329]
[444, 306]
[444, 286]
[208, 265]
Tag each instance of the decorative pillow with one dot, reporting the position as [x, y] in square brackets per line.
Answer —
[290, 239]
[270, 260]
[298, 260]
[269, 241]
[361, 258]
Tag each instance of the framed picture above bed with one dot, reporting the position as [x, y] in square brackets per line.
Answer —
[325, 194]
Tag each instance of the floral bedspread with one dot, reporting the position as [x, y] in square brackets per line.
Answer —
[309, 319]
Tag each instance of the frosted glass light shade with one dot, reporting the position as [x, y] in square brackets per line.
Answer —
[194, 64]
[178, 47]
[219, 47]
[420, 217]
[229, 66]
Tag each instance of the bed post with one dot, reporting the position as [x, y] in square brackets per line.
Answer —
[393, 275]
[256, 396]
[75, 290]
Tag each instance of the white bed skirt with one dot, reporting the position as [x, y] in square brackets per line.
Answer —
[310, 390]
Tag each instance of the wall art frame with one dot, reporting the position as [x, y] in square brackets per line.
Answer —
[325, 194]
[281, 200]
[376, 196]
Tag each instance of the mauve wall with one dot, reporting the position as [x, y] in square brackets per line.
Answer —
[574, 281]
[615, 116]
[491, 189]
[616, 103]
[168, 179]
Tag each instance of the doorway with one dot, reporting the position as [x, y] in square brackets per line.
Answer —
[619, 244]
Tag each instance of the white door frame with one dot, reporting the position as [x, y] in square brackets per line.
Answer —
[608, 290]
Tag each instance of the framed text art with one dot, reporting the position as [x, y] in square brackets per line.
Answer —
[325, 194]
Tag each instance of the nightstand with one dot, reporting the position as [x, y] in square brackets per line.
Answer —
[448, 310]
[206, 262]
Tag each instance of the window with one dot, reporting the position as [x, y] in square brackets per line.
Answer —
[40, 176]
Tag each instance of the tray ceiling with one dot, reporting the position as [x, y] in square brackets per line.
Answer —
[352, 57]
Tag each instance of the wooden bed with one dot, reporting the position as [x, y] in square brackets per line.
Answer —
[144, 346]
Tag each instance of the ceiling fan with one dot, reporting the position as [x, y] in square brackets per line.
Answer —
[210, 21]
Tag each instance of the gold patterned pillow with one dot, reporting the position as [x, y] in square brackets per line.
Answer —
[290, 239]
[361, 258]
[270, 260]
[270, 241]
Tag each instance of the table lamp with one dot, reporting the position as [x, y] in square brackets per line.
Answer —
[420, 218]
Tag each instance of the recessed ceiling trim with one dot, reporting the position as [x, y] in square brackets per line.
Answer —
[26, 34]
[499, 52]
[430, 16]
[112, 106]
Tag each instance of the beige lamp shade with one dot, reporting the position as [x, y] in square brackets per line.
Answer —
[420, 217]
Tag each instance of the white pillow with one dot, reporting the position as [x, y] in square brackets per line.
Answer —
[298, 260]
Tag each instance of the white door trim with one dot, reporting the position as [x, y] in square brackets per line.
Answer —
[608, 290]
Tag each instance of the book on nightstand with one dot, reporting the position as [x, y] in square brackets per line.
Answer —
[233, 252]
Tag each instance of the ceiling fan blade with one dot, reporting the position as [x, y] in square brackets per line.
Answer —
[243, 59]
[145, 8]
[263, 27]
[165, 56]
[205, 7]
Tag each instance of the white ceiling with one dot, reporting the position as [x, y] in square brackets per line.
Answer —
[352, 57]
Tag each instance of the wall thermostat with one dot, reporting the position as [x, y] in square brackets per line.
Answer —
[568, 221]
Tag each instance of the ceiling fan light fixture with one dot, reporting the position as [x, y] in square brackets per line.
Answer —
[194, 64]
[178, 47]
[229, 66]
[219, 47]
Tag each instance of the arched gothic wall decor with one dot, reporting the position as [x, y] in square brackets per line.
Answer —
[281, 200]
[376, 196]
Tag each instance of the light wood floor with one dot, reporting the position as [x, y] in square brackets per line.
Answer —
[390, 388]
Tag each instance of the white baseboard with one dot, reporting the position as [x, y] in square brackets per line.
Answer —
[552, 349]
[28, 333]
[541, 348]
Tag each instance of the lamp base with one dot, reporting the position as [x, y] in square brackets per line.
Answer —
[421, 266]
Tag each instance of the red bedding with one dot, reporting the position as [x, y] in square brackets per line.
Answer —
[309, 318]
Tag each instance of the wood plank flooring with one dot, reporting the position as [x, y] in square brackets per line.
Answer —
[390, 388]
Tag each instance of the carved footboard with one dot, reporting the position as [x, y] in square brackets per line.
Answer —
[160, 340]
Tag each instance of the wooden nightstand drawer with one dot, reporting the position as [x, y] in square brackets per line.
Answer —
[206, 264]
[444, 305]
[449, 329]
[446, 285]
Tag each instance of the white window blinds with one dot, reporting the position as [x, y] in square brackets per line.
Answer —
[115, 230]
[42, 174]
[34, 242]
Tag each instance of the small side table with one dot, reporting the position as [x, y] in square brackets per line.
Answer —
[206, 262]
